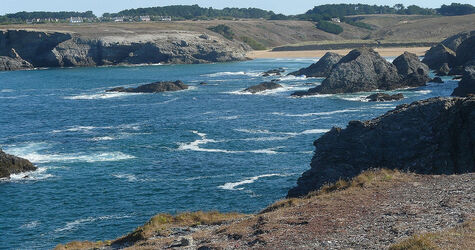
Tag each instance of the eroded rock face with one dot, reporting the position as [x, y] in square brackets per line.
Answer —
[454, 41]
[321, 68]
[467, 84]
[361, 70]
[466, 51]
[438, 55]
[10, 164]
[413, 72]
[383, 97]
[433, 136]
[262, 87]
[153, 87]
[56, 49]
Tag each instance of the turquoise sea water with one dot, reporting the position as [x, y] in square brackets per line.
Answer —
[109, 161]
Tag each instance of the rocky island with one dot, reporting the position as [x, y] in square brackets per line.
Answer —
[262, 87]
[155, 87]
[10, 164]
[322, 68]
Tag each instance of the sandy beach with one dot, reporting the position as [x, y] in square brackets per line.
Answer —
[420, 51]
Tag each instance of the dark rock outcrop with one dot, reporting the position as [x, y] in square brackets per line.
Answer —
[433, 136]
[438, 55]
[437, 80]
[57, 49]
[262, 87]
[361, 70]
[383, 97]
[466, 51]
[13, 62]
[321, 68]
[467, 84]
[443, 70]
[10, 164]
[153, 87]
[413, 72]
[454, 41]
[274, 72]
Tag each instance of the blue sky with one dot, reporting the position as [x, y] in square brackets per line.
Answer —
[278, 6]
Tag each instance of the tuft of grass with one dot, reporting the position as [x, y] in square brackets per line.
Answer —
[459, 237]
[80, 245]
[160, 224]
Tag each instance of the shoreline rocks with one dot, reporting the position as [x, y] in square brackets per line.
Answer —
[10, 164]
[383, 97]
[433, 136]
[466, 86]
[263, 87]
[155, 87]
[322, 68]
[273, 72]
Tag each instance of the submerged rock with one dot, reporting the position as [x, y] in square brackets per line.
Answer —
[10, 164]
[437, 80]
[413, 72]
[436, 56]
[361, 70]
[467, 84]
[433, 136]
[274, 72]
[153, 87]
[321, 68]
[383, 97]
[262, 87]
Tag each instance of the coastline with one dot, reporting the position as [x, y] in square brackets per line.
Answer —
[394, 51]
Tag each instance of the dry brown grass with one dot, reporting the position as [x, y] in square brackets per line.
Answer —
[460, 237]
[80, 245]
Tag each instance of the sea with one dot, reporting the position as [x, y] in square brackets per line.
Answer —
[107, 162]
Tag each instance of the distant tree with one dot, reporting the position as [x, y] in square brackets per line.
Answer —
[329, 27]
[456, 9]
[224, 30]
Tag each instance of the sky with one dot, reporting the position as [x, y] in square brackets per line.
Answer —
[279, 6]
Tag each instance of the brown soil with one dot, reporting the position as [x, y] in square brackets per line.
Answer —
[420, 51]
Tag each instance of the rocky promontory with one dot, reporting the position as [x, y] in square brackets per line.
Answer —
[262, 87]
[321, 68]
[155, 87]
[434, 136]
[10, 164]
[63, 49]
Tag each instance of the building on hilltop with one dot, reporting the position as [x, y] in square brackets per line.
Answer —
[76, 20]
[145, 18]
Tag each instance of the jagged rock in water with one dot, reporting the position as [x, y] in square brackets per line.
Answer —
[467, 84]
[383, 97]
[262, 87]
[433, 136]
[321, 68]
[153, 87]
[413, 72]
[443, 70]
[437, 80]
[203, 83]
[438, 55]
[10, 164]
[361, 70]
[274, 72]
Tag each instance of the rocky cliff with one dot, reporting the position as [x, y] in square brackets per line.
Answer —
[434, 136]
[58, 49]
[10, 164]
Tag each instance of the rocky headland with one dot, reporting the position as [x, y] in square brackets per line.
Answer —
[365, 70]
[322, 68]
[62, 49]
[155, 87]
[262, 87]
[10, 164]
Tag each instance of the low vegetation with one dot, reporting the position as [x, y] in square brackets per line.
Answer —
[253, 43]
[223, 30]
[329, 27]
[460, 237]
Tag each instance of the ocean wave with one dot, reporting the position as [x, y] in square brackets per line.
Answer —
[195, 146]
[103, 138]
[75, 129]
[283, 89]
[238, 73]
[104, 95]
[289, 134]
[37, 175]
[131, 178]
[6, 90]
[30, 225]
[316, 113]
[87, 129]
[71, 226]
[235, 185]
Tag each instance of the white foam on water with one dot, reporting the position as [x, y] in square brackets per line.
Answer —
[39, 174]
[71, 226]
[131, 177]
[75, 129]
[290, 134]
[195, 146]
[253, 131]
[314, 131]
[30, 225]
[235, 185]
[238, 73]
[424, 92]
[232, 117]
[6, 90]
[270, 138]
[284, 88]
[98, 96]
[317, 113]
[103, 138]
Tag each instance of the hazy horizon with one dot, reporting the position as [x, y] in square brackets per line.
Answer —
[111, 6]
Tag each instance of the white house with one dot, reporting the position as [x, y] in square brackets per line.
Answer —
[145, 18]
[336, 20]
[76, 20]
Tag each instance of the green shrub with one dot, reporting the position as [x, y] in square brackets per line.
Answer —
[253, 43]
[360, 24]
[224, 30]
[329, 27]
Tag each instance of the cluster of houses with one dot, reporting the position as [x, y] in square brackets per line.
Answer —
[89, 20]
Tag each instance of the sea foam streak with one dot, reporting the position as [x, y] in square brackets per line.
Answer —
[238, 73]
[195, 146]
[317, 113]
[235, 185]
[39, 174]
[70, 226]
[104, 95]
